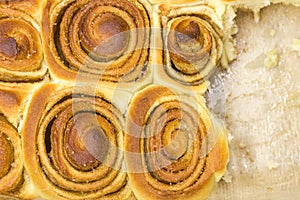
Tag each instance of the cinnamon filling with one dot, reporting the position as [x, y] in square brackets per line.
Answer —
[77, 151]
[20, 46]
[8, 47]
[177, 145]
[189, 44]
[110, 34]
[96, 143]
[188, 32]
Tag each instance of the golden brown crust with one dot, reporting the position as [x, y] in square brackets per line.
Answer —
[28, 6]
[20, 43]
[13, 100]
[72, 134]
[11, 167]
[73, 145]
[13, 178]
[111, 44]
[166, 146]
[193, 44]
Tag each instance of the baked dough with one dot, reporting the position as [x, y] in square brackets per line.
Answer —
[14, 180]
[174, 148]
[72, 124]
[20, 43]
[73, 144]
[194, 44]
[106, 41]
[11, 166]
[123, 119]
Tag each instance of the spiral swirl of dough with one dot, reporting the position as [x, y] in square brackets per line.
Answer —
[174, 148]
[107, 40]
[76, 146]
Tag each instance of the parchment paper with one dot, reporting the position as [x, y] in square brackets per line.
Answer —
[259, 98]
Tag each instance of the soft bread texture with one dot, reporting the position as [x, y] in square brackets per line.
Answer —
[11, 157]
[194, 44]
[11, 99]
[73, 134]
[76, 109]
[111, 46]
[14, 180]
[20, 42]
[65, 165]
[174, 148]
[73, 130]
